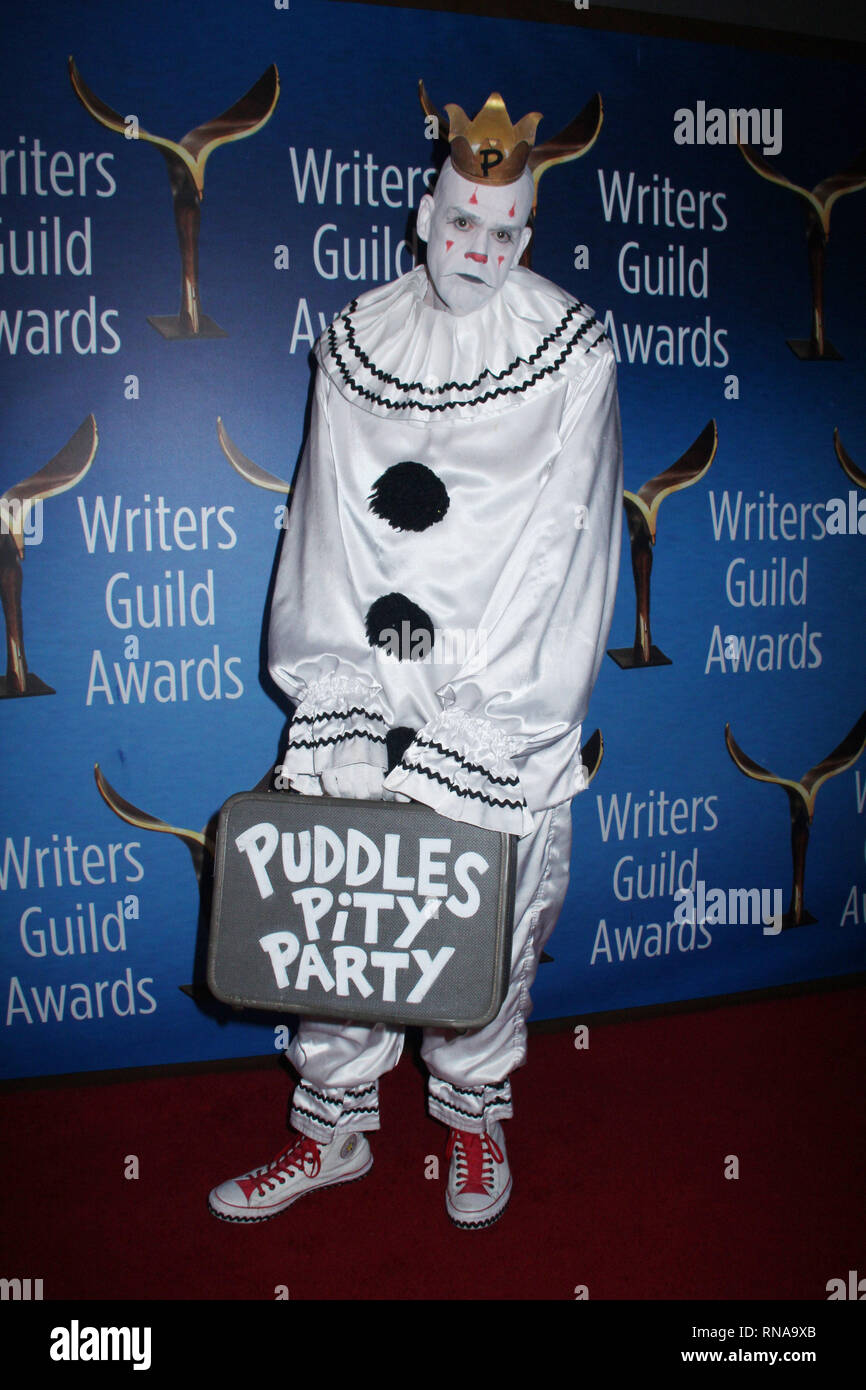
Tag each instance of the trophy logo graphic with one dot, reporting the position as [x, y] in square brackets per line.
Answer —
[641, 510]
[202, 848]
[200, 843]
[490, 147]
[249, 471]
[801, 800]
[818, 205]
[186, 160]
[62, 472]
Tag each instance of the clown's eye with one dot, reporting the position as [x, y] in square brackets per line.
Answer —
[461, 222]
[502, 234]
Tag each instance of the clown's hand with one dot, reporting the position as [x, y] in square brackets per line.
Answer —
[358, 781]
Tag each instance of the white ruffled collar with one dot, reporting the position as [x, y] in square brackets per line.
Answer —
[398, 357]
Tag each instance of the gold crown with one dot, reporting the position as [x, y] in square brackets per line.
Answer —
[489, 149]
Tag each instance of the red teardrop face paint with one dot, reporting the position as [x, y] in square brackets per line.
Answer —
[473, 240]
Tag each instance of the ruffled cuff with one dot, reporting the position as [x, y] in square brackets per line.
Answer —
[461, 765]
[339, 721]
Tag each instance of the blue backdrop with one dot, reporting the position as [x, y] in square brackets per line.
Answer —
[100, 917]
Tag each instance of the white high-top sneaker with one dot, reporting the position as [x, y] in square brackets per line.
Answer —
[300, 1168]
[479, 1179]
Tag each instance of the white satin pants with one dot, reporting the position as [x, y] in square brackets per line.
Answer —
[340, 1063]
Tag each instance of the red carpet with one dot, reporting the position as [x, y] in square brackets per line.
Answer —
[618, 1154]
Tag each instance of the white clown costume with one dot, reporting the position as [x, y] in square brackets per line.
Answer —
[449, 570]
[441, 607]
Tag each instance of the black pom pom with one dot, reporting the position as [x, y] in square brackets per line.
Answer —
[410, 497]
[397, 740]
[400, 627]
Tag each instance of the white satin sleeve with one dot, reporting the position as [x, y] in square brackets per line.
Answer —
[507, 740]
[316, 652]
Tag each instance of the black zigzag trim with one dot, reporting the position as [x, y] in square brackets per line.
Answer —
[337, 714]
[326, 1124]
[518, 361]
[319, 1095]
[464, 762]
[332, 1124]
[469, 1113]
[337, 738]
[309, 1090]
[461, 791]
[459, 405]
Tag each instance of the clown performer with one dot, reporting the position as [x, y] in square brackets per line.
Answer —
[462, 476]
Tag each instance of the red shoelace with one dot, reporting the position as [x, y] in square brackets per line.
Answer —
[300, 1156]
[476, 1154]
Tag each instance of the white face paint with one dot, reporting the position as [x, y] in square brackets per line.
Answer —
[474, 233]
